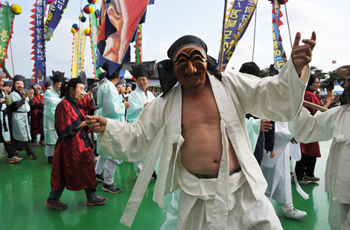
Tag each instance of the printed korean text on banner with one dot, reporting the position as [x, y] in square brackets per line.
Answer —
[119, 20]
[278, 52]
[54, 17]
[94, 32]
[6, 22]
[75, 55]
[39, 41]
[237, 22]
[81, 49]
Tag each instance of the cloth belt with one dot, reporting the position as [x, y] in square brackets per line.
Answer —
[211, 176]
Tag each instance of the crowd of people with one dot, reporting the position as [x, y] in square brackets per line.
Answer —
[222, 140]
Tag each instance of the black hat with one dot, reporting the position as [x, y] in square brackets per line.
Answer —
[102, 76]
[109, 75]
[82, 77]
[250, 68]
[57, 76]
[121, 82]
[8, 83]
[18, 78]
[141, 71]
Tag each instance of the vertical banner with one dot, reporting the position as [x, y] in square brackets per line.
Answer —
[138, 45]
[118, 22]
[39, 42]
[54, 17]
[6, 21]
[94, 33]
[81, 49]
[279, 55]
[75, 55]
[237, 22]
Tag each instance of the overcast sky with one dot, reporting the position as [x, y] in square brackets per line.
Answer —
[168, 20]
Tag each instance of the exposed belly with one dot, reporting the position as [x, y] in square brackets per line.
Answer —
[202, 150]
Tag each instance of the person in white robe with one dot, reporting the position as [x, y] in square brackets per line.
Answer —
[230, 199]
[276, 170]
[52, 98]
[139, 99]
[108, 104]
[333, 123]
[19, 108]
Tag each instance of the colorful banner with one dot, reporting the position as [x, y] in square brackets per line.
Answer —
[117, 27]
[279, 55]
[81, 49]
[237, 22]
[54, 17]
[6, 22]
[75, 55]
[39, 41]
[94, 32]
[138, 46]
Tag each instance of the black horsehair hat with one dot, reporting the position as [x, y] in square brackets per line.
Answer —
[141, 71]
[57, 76]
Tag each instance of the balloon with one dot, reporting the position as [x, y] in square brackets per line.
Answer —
[75, 26]
[82, 18]
[334, 61]
[73, 30]
[17, 9]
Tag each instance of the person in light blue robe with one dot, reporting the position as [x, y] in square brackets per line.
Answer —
[19, 114]
[139, 98]
[110, 105]
[52, 98]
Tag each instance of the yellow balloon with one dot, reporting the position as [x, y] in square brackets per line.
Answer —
[87, 31]
[73, 30]
[17, 9]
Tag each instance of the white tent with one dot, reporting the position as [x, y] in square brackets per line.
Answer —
[125, 74]
[337, 88]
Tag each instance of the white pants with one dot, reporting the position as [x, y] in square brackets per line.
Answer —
[49, 149]
[245, 211]
[138, 165]
[109, 165]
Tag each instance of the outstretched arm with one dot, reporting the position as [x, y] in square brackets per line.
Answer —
[302, 54]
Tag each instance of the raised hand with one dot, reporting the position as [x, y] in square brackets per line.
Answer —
[302, 54]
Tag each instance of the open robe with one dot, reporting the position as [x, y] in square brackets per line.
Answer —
[137, 99]
[158, 129]
[277, 169]
[52, 99]
[73, 161]
[36, 112]
[20, 124]
[5, 126]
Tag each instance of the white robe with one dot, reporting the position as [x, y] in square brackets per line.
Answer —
[277, 169]
[137, 99]
[321, 127]
[158, 129]
[5, 134]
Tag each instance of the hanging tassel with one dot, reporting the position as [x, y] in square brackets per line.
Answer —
[297, 185]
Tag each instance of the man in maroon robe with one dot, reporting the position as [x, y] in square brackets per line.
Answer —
[73, 162]
[36, 112]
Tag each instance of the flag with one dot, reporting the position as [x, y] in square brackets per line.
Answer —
[237, 22]
[54, 17]
[6, 22]
[119, 20]
[94, 32]
[279, 55]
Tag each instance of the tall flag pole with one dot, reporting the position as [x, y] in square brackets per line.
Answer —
[280, 57]
[237, 22]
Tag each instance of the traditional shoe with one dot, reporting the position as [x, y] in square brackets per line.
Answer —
[111, 188]
[98, 201]
[56, 204]
[15, 159]
[154, 175]
[32, 157]
[42, 143]
[50, 159]
[309, 178]
[291, 212]
[99, 178]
